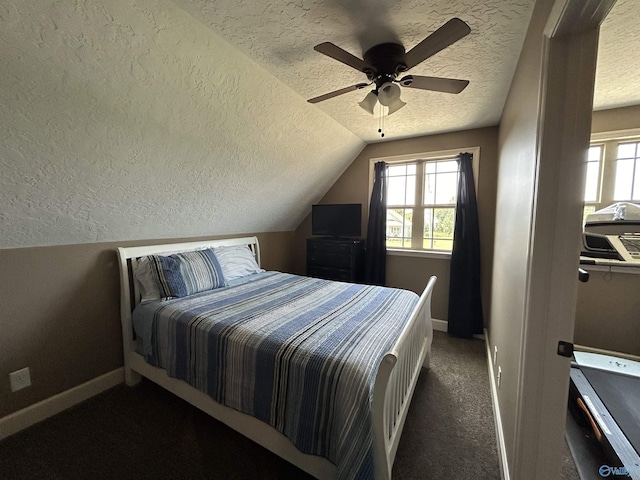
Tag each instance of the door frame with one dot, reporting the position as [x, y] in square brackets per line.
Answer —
[564, 127]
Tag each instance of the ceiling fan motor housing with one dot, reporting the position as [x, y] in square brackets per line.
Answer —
[386, 61]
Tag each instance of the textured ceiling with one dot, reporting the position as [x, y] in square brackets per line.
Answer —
[133, 119]
[280, 35]
[129, 119]
[618, 67]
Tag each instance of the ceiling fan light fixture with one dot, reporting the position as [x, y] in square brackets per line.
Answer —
[395, 106]
[369, 102]
[389, 96]
[388, 93]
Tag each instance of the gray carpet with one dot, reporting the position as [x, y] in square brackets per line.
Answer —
[146, 432]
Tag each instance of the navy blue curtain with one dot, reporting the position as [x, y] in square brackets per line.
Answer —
[465, 305]
[376, 252]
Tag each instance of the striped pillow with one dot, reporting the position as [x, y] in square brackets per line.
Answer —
[186, 273]
[236, 261]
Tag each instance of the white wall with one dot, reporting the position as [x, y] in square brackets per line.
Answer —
[127, 119]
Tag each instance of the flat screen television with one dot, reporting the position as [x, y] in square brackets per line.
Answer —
[336, 220]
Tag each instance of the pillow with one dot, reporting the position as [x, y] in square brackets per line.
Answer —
[146, 280]
[236, 261]
[186, 273]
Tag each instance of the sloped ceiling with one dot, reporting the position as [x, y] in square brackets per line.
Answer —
[618, 68]
[280, 35]
[135, 119]
[127, 119]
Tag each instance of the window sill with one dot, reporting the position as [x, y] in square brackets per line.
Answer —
[397, 252]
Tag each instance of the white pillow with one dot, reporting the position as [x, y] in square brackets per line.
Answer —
[145, 280]
[236, 261]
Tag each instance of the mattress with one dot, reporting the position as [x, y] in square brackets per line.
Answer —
[295, 352]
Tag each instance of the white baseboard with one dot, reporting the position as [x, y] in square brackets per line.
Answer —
[502, 448]
[439, 325]
[48, 407]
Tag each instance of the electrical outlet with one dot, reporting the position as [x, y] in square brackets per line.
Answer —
[20, 379]
[495, 355]
[499, 377]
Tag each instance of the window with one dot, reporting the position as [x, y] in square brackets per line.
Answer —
[421, 200]
[627, 186]
[401, 198]
[613, 172]
[592, 187]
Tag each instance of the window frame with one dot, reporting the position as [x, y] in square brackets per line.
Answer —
[607, 172]
[635, 187]
[425, 157]
[599, 187]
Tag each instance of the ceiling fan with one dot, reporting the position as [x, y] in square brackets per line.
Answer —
[384, 62]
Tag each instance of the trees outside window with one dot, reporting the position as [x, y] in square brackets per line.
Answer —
[421, 200]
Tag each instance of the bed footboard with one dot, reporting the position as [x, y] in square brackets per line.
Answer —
[396, 380]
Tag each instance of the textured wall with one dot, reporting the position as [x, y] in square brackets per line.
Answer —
[130, 119]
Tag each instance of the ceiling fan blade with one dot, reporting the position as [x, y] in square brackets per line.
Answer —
[446, 35]
[337, 53]
[438, 84]
[335, 93]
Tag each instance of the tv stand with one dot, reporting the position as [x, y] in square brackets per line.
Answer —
[335, 258]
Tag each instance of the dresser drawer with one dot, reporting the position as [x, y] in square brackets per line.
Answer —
[334, 248]
[330, 260]
[339, 275]
[335, 259]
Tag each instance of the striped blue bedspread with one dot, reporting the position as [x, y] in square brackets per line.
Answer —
[297, 353]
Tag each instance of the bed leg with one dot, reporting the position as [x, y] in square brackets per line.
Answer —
[427, 361]
[131, 377]
[426, 364]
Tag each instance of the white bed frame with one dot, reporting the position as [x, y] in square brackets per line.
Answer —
[394, 384]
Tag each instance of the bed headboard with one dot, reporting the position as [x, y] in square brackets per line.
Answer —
[127, 258]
